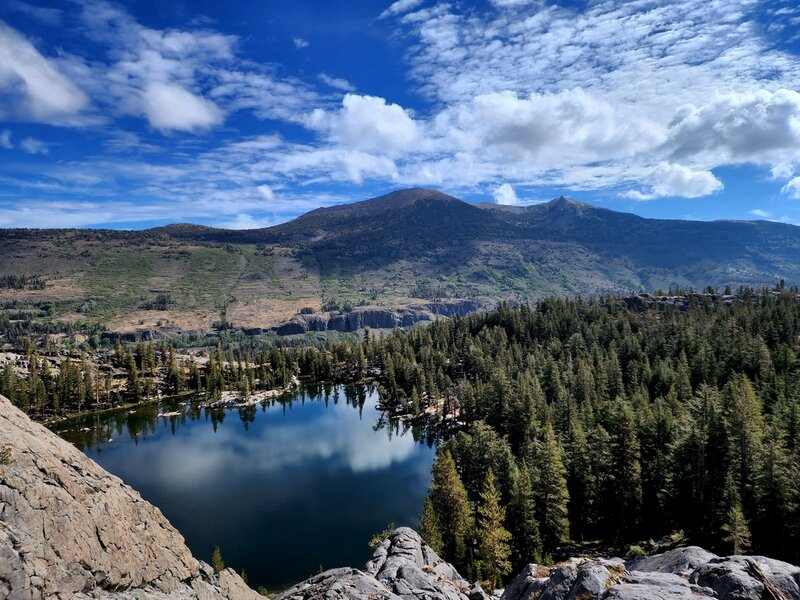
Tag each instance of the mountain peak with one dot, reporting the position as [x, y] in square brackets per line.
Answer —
[563, 201]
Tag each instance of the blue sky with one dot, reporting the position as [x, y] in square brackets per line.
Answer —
[245, 114]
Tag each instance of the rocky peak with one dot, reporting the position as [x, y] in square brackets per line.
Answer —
[71, 530]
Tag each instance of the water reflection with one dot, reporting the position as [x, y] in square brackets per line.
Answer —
[282, 486]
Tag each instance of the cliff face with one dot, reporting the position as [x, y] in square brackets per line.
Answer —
[69, 529]
[377, 317]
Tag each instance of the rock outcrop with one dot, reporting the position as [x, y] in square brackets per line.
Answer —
[378, 317]
[402, 568]
[684, 573]
[405, 568]
[71, 530]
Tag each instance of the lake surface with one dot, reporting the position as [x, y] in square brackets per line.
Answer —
[284, 487]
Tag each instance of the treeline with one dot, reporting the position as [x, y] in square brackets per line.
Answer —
[47, 386]
[600, 420]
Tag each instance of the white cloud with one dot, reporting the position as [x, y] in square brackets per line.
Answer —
[511, 3]
[669, 179]
[336, 82]
[602, 96]
[170, 106]
[548, 130]
[505, 194]
[758, 127]
[300, 43]
[31, 86]
[48, 16]
[762, 214]
[5, 139]
[266, 192]
[33, 146]
[244, 221]
[368, 124]
[782, 171]
[399, 7]
[792, 189]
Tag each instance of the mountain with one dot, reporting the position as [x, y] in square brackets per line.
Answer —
[398, 250]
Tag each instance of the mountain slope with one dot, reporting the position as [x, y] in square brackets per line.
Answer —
[395, 250]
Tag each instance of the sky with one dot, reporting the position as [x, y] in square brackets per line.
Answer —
[244, 114]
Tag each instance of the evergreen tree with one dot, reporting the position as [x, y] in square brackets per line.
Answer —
[451, 506]
[526, 541]
[551, 491]
[737, 531]
[216, 560]
[429, 526]
[493, 538]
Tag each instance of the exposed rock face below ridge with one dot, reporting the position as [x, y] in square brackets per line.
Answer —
[377, 317]
[71, 530]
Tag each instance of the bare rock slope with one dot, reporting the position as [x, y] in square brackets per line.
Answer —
[69, 529]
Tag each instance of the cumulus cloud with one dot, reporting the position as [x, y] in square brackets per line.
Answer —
[368, 124]
[669, 180]
[758, 127]
[300, 43]
[505, 194]
[31, 86]
[761, 214]
[399, 7]
[5, 139]
[170, 106]
[548, 129]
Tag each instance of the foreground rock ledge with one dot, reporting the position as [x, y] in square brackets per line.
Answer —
[71, 530]
[405, 568]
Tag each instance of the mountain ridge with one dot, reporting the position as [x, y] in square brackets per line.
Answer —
[396, 250]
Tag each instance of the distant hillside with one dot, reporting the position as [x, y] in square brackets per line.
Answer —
[403, 248]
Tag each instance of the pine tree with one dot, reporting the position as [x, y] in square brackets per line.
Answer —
[551, 490]
[429, 526]
[738, 533]
[451, 505]
[745, 430]
[494, 550]
[527, 542]
[216, 560]
[626, 475]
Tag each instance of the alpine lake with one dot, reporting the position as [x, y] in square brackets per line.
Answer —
[285, 487]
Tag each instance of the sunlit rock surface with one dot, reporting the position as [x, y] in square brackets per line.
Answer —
[69, 529]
